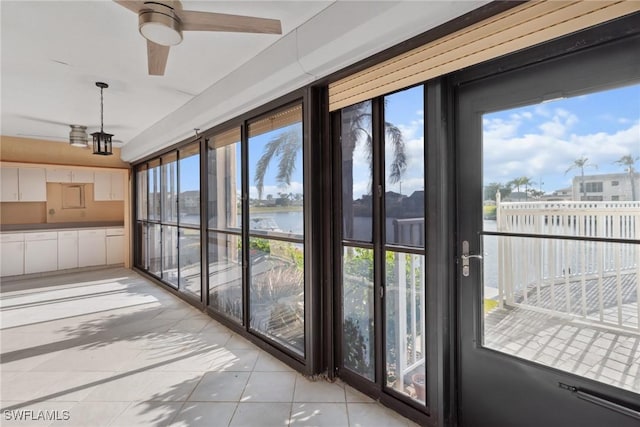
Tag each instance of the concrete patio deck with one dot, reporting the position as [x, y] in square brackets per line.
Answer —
[109, 348]
[604, 354]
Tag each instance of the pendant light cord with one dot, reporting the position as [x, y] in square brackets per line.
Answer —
[101, 112]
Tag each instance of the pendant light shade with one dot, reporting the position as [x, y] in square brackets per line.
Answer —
[78, 136]
[101, 140]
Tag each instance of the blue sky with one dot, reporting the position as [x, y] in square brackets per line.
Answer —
[542, 141]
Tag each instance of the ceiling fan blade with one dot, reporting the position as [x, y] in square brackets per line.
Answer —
[38, 136]
[157, 57]
[38, 119]
[209, 21]
[132, 5]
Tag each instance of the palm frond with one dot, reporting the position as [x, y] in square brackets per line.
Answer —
[399, 163]
[288, 154]
[285, 146]
[263, 164]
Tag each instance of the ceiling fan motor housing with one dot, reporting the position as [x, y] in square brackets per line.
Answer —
[159, 23]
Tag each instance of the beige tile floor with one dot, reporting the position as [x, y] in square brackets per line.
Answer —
[109, 348]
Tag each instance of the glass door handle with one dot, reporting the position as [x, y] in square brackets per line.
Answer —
[466, 256]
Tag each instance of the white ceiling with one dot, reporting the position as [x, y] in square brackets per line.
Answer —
[53, 52]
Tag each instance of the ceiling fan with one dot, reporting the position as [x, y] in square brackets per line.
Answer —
[162, 23]
[77, 134]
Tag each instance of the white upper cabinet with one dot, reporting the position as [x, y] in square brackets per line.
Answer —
[58, 175]
[69, 175]
[23, 185]
[81, 176]
[117, 186]
[108, 186]
[10, 190]
[32, 184]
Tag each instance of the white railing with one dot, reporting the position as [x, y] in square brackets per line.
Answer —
[409, 231]
[410, 326]
[593, 280]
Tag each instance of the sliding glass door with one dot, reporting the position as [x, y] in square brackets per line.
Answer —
[276, 228]
[168, 219]
[383, 235]
[224, 206]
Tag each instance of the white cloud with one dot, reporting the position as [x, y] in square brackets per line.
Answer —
[360, 188]
[559, 124]
[545, 156]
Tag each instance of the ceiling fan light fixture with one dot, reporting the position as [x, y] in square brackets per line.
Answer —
[160, 28]
[78, 136]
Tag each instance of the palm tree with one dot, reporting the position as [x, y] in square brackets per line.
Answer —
[581, 163]
[629, 162]
[492, 189]
[356, 126]
[356, 122]
[521, 181]
[285, 146]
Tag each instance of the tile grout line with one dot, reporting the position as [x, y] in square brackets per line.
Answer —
[293, 397]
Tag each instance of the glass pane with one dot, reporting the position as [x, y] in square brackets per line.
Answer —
[141, 254]
[357, 168]
[225, 181]
[405, 332]
[190, 260]
[572, 305]
[170, 188]
[154, 190]
[565, 168]
[358, 343]
[225, 274]
[170, 254]
[277, 291]
[404, 167]
[275, 173]
[155, 250]
[189, 203]
[537, 157]
[142, 192]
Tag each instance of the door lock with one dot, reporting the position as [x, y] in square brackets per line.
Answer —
[466, 257]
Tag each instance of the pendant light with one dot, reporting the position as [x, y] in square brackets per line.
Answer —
[102, 141]
[78, 136]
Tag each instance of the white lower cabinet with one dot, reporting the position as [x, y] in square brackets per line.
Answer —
[92, 247]
[40, 252]
[12, 254]
[115, 246]
[67, 249]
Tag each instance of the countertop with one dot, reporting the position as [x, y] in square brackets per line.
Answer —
[58, 226]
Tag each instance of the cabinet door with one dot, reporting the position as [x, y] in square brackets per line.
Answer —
[114, 249]
[117, 186]
[58, 175]
[12, 259]
[67, 249]
[40, 255]
[32, 185]
[9, 185]
[82, 176]
[91, 248]
[102, 186]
